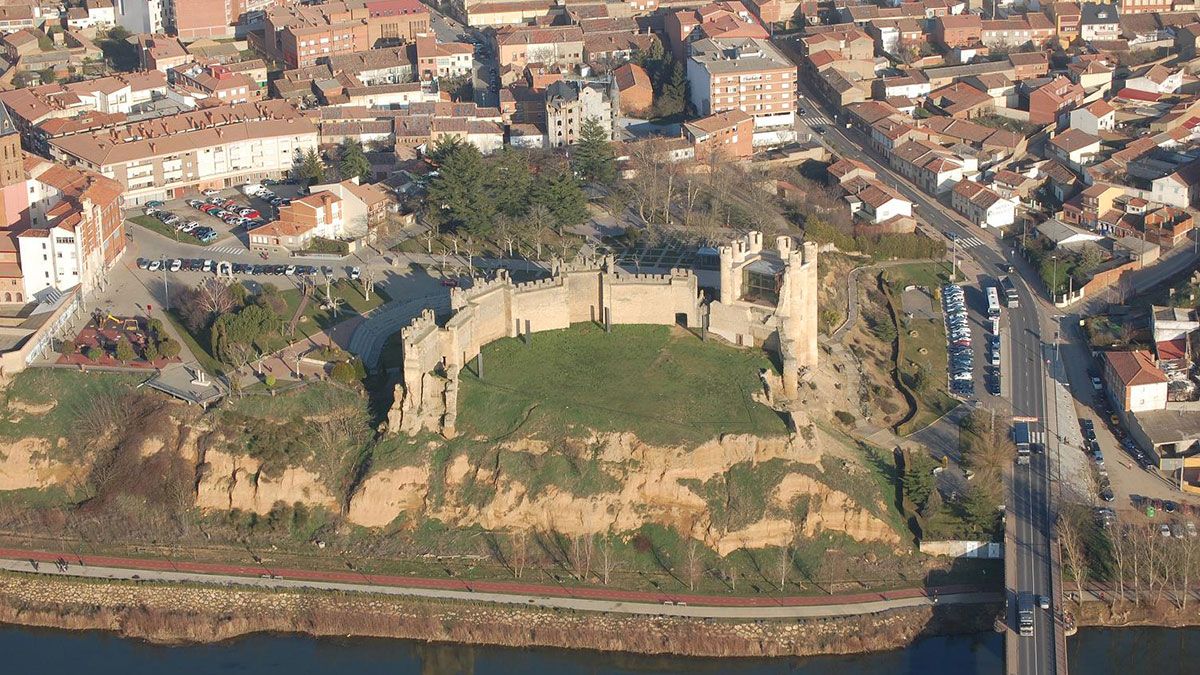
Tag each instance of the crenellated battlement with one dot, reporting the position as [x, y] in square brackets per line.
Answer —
[422, 324]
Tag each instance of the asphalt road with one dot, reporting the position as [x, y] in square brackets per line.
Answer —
[589, 599]
[1030, 500]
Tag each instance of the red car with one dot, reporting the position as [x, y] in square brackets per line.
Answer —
[209, 208]
[452, 283]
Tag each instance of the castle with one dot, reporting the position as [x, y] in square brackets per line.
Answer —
[765, 297]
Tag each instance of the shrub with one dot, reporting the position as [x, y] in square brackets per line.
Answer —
[125, 352]
[845, 417]
[150, 353]
[342, 372]
[94, 353]
[67, 348]
[168, 348]
[270, 381]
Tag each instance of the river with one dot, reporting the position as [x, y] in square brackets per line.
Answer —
[1134, 651]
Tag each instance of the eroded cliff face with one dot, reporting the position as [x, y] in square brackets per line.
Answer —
[654, 485]
[25, 464]
[232, 481]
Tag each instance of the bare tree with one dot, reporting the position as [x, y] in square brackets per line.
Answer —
[1072, 545]
[520, 552]
[785, 565]
[1120, 553]
[213, 297]
[607, 562]
[693, 564]
[368, 281]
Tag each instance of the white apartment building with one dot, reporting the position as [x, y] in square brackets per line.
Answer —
[140, 16]
[213, 148]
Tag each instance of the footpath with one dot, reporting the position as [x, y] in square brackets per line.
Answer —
[513, 593]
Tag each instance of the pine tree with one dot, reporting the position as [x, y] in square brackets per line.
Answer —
[564, 198]
[443, 148]
[593, 158]
[459, 194]
[510, 182]
[354, 162]
[674, 93]
[311, 168]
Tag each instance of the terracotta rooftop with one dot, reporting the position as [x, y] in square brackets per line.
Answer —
[1134, 368]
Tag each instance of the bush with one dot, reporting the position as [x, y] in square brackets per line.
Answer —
[125, 352]
[168, 348]
[270, 381]
[150, 353]
[342, 372]
[67, 348]
[845, 417]
[94, 353]
[323, 245]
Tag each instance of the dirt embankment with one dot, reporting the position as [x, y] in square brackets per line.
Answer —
[1148, 613]
[173, 614]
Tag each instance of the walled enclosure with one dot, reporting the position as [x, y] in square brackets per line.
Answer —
[428, 399]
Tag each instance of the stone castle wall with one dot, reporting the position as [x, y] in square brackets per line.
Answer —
[500, 308]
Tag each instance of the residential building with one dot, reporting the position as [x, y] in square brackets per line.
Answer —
[1157, 79]
[1145, 6]
[569, 103]
[216, 147]
[70, 229]
[637, 91]
[745, 74]
[443, 59]
[194, 19]
[316, 215]
[1091, 73]
[957, 30]
[1033, 28]
[959, 100]
[876, 207]
[848, 44]
[17, 17]
[729, 133]
[1051, 98]
[1134, 383]
[981, 205]
[1098, 22]
[301, 35]
[549, 46]
[160, 52]
[1028, 65]
[218, 83]
[723, 19]
[1075, 147]
[933, 168]
[140, 16]
[1186, 39]
[1167, 226]
[1094, 117]
[364, 206]
[1066, 17]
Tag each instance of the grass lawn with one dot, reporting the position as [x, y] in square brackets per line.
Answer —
[922, 345]
[318, 319]
[193, 343]
[312, 399]
[70, 390]
[661, 383]
[155, 225]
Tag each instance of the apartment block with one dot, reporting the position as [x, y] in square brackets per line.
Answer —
[521, 45]
[301, 35]
[195, 19]
[1032, 28]
[745, 74]
[442, 59]
[317, 215]
[730, 134]
[569, 103]
[212, 148]
[728, 19]
[981, 205]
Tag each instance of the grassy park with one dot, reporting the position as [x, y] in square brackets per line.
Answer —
[921, 360]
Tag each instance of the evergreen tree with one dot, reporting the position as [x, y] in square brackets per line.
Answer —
[443, 148]
[564, 198]
[459, 194]
[918, 479]
[593, 158]
[354, 162]
[310, 167]
[674, 93]
[510, 182]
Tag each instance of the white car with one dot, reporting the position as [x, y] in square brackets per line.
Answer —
[208, 266]
[154, 266]
[251, 189]
[209, 192]
[291, 269]
[355, 273]
[176, 265]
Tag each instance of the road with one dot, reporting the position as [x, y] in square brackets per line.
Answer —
[1030, 500]
[589, 599]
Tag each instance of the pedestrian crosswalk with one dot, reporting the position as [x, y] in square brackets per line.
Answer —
[229, 250]
[969, 242]
[812, 117]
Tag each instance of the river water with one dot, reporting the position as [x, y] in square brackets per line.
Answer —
[1134, 651]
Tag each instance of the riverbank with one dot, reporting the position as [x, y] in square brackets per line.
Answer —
[178, 613]
[1155, 614]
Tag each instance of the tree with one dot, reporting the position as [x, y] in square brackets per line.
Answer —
[270, 381]
[354, 162]
[94, 353]
[510, 182]
[168, 348]
[593, 159]
[459, 194]
[150, 352]
[444, 147]
[310, 167]
[919, 483]
[272, 300]
[125, 351]
[1071, 538]
[564, 198]
[342, 372]
[674, 93]
[234, 335]
[979, 509]
[48, 75]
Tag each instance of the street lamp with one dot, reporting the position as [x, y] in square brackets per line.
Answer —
[1054, 290]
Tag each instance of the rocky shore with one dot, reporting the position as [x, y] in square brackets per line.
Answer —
[167, 613]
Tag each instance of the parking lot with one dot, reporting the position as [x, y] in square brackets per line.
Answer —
[211, 266]
[212, 216]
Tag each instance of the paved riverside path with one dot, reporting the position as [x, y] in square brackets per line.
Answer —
[511, 593]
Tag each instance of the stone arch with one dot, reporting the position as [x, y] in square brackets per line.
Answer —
[8, 297]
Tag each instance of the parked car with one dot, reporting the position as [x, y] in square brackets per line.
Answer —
[209, 192]
[1097, 383]
[154, 204]
[142, 263]
[154, 265]
[176, 265]
[1164, 530]
[355, 273]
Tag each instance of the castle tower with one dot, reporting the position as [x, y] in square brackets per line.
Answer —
[798, 302]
